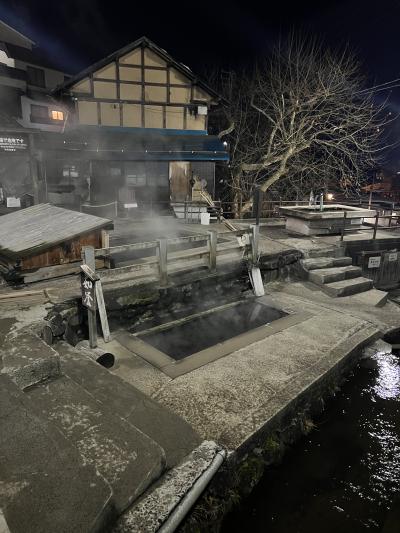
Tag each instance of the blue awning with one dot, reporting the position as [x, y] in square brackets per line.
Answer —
[135, 144]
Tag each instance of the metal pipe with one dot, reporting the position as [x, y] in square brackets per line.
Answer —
[190, 498]
[344, 225]
[375, 225]
[102, 357]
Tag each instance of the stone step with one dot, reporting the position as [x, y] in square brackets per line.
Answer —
[335, 251]
[347, 287]
[172, 433]
[46, 485]
[313, 263]
[373, 297]
[129, 460]
[320, 276]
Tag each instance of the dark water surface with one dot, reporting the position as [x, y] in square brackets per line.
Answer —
[344, 477]
[202, 332]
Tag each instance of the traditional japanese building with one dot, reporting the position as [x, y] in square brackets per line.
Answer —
[135, 135]
[27, 76]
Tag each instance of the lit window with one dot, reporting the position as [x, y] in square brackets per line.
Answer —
[57, 115]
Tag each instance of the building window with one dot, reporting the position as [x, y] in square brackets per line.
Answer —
[35, 76]
[39, 111]
[135, 174]
[57, 115]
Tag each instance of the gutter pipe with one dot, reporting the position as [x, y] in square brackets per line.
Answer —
[190, 498]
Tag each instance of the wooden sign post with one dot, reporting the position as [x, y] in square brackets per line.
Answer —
[89, 292]
[92, 297]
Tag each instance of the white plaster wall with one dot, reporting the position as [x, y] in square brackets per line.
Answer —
[26, 115]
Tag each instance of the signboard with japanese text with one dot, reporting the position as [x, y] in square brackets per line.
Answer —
[13, 202]
[374, 262]
[88, 292]
[13, 142]
[392, 256]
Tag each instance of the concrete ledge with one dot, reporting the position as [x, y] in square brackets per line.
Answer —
[148, 515]
[28, 360]
[305, 386]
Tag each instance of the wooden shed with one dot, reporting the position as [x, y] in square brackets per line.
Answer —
[45, 241]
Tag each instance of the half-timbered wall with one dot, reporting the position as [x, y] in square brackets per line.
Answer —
[140, 89]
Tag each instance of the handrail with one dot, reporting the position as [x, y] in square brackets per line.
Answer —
[99, 252]
[229, 210]
[374, 228]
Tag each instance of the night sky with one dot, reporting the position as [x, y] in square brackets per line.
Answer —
[222, 33]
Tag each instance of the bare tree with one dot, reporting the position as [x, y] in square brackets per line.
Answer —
[301, 120]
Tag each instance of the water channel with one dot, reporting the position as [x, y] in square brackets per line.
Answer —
[345, 475]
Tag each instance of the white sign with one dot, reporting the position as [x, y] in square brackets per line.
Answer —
[11, 143]
[128, 206]
[374, 262]
[13, 202]
[392, 257]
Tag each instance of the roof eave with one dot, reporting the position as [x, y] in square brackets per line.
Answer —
[142, 41]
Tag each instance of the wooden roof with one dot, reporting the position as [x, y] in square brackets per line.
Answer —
[33, 230]
[145, 42]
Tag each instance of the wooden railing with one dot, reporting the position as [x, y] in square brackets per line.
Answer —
[164, 261]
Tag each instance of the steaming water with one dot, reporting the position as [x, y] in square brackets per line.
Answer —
[202, 332]
[345, 476]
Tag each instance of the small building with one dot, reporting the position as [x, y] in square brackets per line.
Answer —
[46, 241]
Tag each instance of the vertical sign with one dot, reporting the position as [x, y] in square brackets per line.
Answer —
[88, 292]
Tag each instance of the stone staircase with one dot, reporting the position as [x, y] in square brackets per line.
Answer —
[334, 273]
[79, 447]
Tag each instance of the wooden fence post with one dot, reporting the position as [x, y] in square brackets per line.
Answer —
[212, 247]
[162, 258]
[102, 311]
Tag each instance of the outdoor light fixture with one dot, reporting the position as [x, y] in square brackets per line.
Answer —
[329, 196]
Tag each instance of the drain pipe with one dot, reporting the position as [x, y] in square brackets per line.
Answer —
[100, 356]
[190, 498]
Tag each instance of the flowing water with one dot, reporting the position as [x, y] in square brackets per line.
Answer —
[344, 477]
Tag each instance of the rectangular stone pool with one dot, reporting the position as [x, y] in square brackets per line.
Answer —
[193, 341]
[201, 332]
